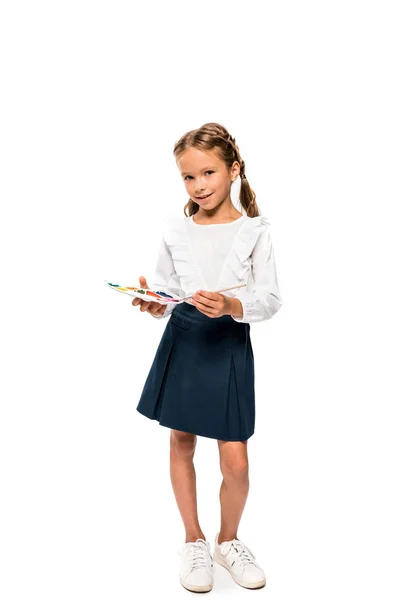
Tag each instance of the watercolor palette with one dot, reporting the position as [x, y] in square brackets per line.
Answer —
[159, 296]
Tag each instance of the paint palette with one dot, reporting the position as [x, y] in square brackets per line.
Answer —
[159, 296]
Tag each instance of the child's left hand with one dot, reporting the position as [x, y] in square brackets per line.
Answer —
[211, 304]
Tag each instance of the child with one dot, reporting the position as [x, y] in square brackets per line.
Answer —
[201, 381]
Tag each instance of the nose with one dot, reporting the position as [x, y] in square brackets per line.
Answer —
[199, 187]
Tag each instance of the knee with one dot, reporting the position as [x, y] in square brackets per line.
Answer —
[235, 468]
[182, 444]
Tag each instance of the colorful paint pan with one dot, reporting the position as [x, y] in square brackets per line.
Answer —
[161, 297]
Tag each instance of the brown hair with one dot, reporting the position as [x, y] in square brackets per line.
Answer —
[214, 136]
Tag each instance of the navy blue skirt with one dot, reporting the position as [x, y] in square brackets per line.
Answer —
[202, 377]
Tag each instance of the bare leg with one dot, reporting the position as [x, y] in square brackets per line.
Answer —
[235, 487]
[183, 478]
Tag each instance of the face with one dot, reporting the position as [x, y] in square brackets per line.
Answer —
[205, 174]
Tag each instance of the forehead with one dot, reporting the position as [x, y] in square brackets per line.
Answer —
[193, 159]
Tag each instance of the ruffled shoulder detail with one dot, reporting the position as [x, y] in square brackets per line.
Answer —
[238, 261]
[177, 239]
[236, 265]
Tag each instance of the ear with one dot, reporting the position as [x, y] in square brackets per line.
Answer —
[235, 170]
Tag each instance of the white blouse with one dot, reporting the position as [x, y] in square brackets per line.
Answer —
[214, 256]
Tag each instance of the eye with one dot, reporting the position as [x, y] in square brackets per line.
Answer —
[184, 179]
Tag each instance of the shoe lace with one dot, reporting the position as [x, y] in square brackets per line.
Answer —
[197, 551]
[245, 556]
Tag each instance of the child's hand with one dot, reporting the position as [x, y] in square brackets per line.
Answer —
[212, 304]
[146, 305]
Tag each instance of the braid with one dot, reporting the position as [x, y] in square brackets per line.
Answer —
[231, 140]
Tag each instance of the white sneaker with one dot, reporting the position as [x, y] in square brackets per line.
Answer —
[240, 562]
[196, 569]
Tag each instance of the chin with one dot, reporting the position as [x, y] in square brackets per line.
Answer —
[206, 208]
[210, 205]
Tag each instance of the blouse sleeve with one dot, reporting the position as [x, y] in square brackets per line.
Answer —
[165, 276]
[261, 299]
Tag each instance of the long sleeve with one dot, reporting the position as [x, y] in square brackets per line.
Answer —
[262, 299]
[165, 276]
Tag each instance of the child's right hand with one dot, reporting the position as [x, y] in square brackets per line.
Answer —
[153, 308]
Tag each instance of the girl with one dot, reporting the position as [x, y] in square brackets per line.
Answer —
[201, 381]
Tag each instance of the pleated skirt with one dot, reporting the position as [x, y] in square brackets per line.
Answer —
[201, 380]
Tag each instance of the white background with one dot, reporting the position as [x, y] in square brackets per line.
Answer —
[94, 96]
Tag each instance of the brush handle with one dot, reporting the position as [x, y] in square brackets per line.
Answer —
[234, 287]
[230, 288]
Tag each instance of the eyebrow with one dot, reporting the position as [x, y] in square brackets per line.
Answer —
[205, 169]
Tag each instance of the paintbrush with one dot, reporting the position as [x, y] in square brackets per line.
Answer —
[234, 287]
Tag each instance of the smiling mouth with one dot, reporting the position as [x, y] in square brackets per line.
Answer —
[204, 197]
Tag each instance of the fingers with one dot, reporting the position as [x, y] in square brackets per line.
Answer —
[155, 308]
[156, 311]
[143, 282]
[144, 286]
[148, 305]
[136, 301]
[201, 302]
[208, 303]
